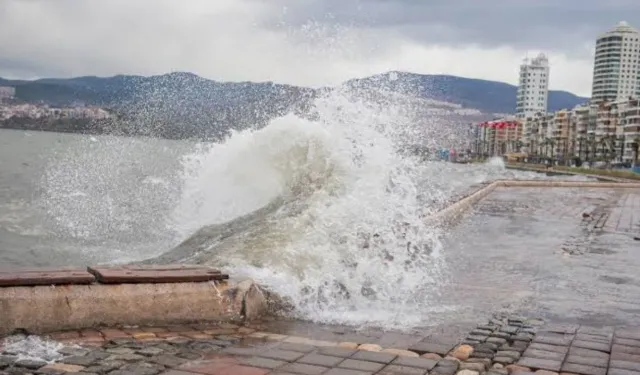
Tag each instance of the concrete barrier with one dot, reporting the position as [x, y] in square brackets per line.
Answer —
[451, 213]
[41, 309]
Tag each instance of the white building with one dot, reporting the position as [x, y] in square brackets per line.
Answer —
[617, 64]
[533, 87]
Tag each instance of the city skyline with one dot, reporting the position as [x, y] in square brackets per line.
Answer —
[310, 43]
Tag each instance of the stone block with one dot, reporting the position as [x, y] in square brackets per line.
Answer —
[583, 369]
[423, 363]
[626, 365]
[402, 370]
[322, 360]
[504, 360]
[535, 353]
[355, 364]
[595, 338]
[346, 371]
[588, 361]
[625, 357]
[260, 362]
[553, 339]
[625, 349]
[619, 371]
[427, 347]
[587, 353]
[336, 351]
[303, 369]
[281, 355]
[374, 356]
[302, 348]
[627, 342]
[593, 345]
[549, 348]
[540, 363]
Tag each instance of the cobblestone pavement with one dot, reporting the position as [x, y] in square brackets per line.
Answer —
[560, 253]
[502, 346]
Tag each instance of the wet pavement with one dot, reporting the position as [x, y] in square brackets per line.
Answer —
[503, 345]
[560, 253]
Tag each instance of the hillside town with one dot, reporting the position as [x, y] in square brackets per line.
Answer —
[606, 129]
[9, 108]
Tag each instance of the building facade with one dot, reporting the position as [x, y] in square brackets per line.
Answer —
[616, 68]
[533, 87]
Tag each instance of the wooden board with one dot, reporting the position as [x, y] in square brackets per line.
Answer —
[154, 274]
[45, 276]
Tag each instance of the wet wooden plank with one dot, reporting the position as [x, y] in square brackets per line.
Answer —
[132, 274]
[45, 276]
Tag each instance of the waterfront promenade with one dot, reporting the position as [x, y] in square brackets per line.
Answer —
[541, 279]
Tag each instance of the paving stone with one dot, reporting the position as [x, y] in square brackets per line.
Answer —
[583, 369]
[627, 365]
[473, 366]
[619, 371]
[535, 353]
[504, 360]
[587, 352]
[627, 342]
[477, 338]
[168, 360]
[355, 364]
[482, 355]
[304, 369]
[508, 353]
[481, 332]
[142, 368]
[57, 368]
[627, 334]
[444, 370]
[119, 357]
[248, 351]
[599, 346]
[599, 331]
[263, 362]
[561, 328]
[282, 355]
[625, 349]
[589, 361]
[344, 371]
[595, 338]
[322, 360]
[336, 352]
[540, 363]
[402, 370]
[189, 355]
[496, 340]
[509, 329]
[104, 367]
[69, 351]
[426, 347]
[118, 350]
[302, 348]
[486, 347]
[374, 356]
[150, 351]
[523, 337]
[625, 357]
[549, 348]
[553, 339]
[422, 363]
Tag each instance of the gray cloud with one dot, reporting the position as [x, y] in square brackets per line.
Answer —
[540, 24]
[308, 42]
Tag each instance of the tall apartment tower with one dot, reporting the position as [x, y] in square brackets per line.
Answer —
[533, 87]
[616, 69]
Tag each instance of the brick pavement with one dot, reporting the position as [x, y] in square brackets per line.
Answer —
[504, 345]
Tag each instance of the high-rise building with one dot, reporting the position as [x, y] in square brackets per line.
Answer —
[616, 69]
[533, 87]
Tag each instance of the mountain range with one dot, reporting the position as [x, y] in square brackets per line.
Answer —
[196, 102]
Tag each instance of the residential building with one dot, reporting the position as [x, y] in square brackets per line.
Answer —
[630, 123]
[533, 87]
[617, 64]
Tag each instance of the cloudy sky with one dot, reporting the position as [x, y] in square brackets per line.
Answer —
[305, 42]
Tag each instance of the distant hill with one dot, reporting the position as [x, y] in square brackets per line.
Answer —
[154, 105]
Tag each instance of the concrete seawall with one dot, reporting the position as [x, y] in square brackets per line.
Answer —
[46, 308]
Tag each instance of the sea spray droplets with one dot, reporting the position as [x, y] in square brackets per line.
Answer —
[348, 242]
